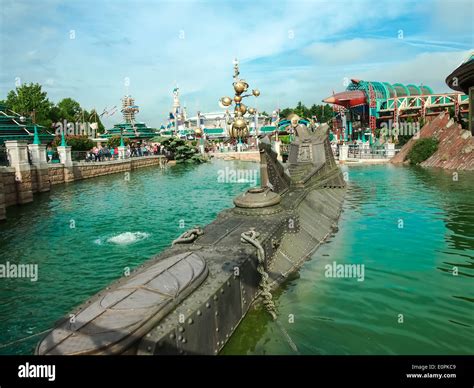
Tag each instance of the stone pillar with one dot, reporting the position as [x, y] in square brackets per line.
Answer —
[39, 161]
[2, 197]
[343, 152]
[277, 149]
[66, 160]
[122, 152]
[65, 155]
[18, 153]
[390, 150]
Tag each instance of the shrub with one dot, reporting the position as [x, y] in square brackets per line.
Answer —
[77, 142]
[422, 150]
[181, 151]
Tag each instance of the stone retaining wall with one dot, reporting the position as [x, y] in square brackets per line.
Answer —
[14, 191]
[249, 156]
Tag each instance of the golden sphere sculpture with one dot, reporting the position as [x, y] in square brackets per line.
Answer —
[240, 86]
[239, 128]
[226, 101]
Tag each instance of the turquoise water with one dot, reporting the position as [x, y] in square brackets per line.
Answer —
[84, 235]
[410, 228]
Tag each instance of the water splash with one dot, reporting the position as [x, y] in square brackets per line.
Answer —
[125, 238]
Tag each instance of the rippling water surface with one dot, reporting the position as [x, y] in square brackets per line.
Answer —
[409, 227]
[412, 229]
[85, 234]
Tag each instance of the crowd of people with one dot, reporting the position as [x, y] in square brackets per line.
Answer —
[105, 153]
[224, 146]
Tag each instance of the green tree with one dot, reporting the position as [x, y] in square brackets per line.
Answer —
[301, 110]
[69, 110]
[29, 98]
[95, 118]
[327, 113]
[284, 113]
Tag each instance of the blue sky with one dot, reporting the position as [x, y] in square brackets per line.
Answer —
[290, 50]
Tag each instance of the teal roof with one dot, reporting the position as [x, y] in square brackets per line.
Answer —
[186, 132]
[268, 129]
[12, 128]
[385, 90]
[137, 131]
[214, 131]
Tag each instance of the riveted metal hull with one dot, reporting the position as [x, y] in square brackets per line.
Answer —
[202, 319]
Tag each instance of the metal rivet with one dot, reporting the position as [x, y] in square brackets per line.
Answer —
[184, 340]
[222, 290]
[215, 297]
[148, 335]
[172, 336]
[180, 338]
[148, 348]
[217, 329]
[199, 313]
[228, 284]
[181, 329]
[190, 321]
[217, 313]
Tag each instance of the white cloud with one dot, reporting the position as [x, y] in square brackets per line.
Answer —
[283, 48]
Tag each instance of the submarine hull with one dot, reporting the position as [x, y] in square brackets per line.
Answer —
[191, 298]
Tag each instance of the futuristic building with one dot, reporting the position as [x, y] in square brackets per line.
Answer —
[129, 128]
[364, 105]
